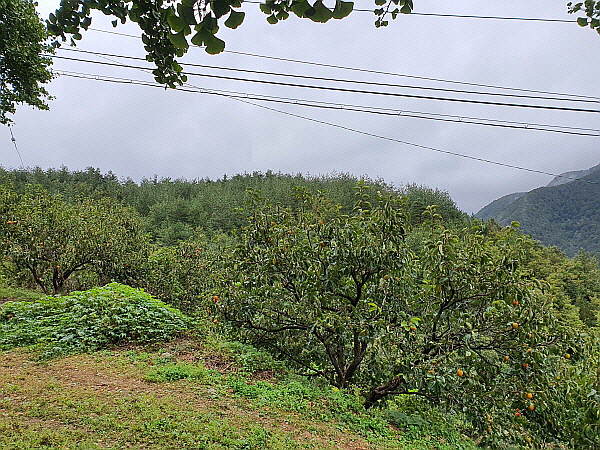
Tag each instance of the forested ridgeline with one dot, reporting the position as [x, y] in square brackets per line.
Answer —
[173, 209]
[369, 288]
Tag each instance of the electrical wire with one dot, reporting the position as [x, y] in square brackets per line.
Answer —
[364, 133]
[577, 131]
[396, 140]
[14, 141]
[346, 90]
[424, 147]
[338, 80]
[378, 72]
[461, 16]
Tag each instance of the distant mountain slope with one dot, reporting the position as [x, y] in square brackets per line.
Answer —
[567, 177]
[566, 215]
[495, 209]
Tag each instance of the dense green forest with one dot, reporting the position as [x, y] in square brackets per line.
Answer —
[565, 214]
[172, 210]
[390, 293]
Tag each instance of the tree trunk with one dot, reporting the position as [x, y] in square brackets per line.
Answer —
[383, 391]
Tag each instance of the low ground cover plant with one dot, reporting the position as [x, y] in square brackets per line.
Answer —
[89, 320]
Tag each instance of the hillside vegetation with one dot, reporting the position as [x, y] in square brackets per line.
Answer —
[382, 312]
[563, 214]
[197, 391]
[173, 209]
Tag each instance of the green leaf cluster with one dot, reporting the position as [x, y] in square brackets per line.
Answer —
[391, 8]
[183, 275]
[170, 27]
[278, 10]
[23, 66]
[90, 320]
[591, 8]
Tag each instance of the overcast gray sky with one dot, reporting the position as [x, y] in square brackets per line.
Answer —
[139, 131]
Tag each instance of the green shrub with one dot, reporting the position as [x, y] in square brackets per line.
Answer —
[252, 359]
[89, 320]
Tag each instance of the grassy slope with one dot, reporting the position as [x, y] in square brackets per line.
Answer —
[184, 395]
[17, 294]
[105, 401]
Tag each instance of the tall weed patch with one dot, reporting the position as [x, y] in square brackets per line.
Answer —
[89, 320]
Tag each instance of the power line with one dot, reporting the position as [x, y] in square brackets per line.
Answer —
[378, 72]
[425, 147]
[461, 16]
[366, 133]
[357, 108]
[338, 80]
[347, 90]
[14, 141]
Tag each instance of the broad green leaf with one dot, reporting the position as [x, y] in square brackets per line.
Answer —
[176, 23]
[272, 19]
[235, 19]
[342, 9]
[406, 9]
[134, 14]
[301, 8]
[178, 40]
[265, 8]
[187, 13]
[380, 2]
[322, 13]
[582, 21]
[214, 45]
[310, 12]
[282, 15]
[219, 8]
[209, 23]
[200, 37]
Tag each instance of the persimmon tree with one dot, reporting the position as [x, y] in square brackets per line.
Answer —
[52, 240]
[181, 274]
[459, 323]
[310, 278]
